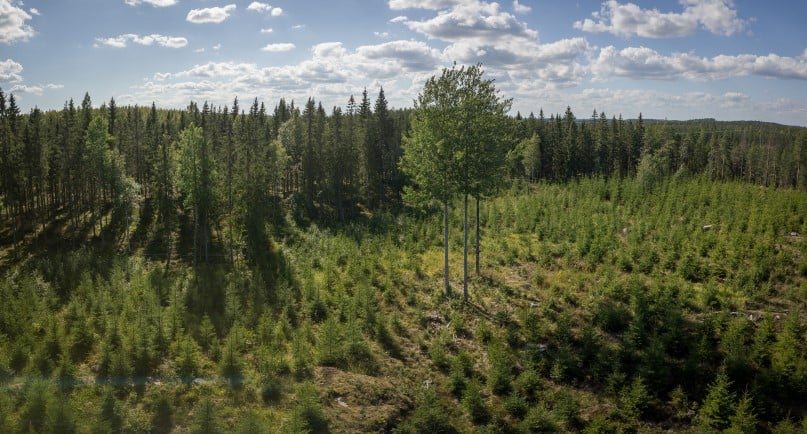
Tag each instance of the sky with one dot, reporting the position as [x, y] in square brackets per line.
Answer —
[684, 59]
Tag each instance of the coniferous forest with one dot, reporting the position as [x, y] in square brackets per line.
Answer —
[280, 266]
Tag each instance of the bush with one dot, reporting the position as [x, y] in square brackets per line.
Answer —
[271, 390]
[474, 402]
[429, 416]
[500, 375]
[205, 419]
[306, 414]
[516, 405]
[538, 420]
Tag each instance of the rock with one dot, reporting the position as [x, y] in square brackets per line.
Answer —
[340, 402]
[794, 234]
[707, 227]
[199, 381]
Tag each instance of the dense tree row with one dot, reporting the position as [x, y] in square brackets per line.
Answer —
[563, 147]
[219, 172]
[216, 171]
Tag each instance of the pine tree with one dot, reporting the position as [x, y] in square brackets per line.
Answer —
[196, 181]
[718, 406]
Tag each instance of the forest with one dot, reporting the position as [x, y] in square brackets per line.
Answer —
[293, 269]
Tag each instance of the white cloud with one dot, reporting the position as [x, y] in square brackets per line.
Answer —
[216, 47]
[520, 8]
[628, 19]
[214, 15]
[479, 21]
[36, 90]
[10, 71]
[12, 22]
[399, 19]
[155, 3]
[298, 27]
[276, 48]
[423, 4]
[382, 35]
[164, 41]
[409, 55]
[329, 50]
[267, 30]
[478, 31]
[265, 7]
[34, 11]
[646, 63]
[199, 50]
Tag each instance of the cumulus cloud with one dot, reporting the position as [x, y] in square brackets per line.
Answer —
[480, 21]
[121, 41]
[480, 31]
[268, 30]
[382, 35]
[12, 22]
[37, 89]
[410, 55]
[34, 11]
[155, 3]
[265, 8]
[628, 19]
[520, 8]
[214, 15]
[276, 48]
[423, 4]
[646, 63]
[10, 71]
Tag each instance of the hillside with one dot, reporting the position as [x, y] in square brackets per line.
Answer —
[600, 307]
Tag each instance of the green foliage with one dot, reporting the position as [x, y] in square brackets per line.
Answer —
[110, 414]
[231, 365]
[538, 420]
[634, 399]
[306, 414]
[162, 420]
[61, 416]
[474, 402]
[186, 358]
[205, 418]
[718, 406]
[743, 420]
[429, 415]
[586, 278]
[500, 374]
[38, 398]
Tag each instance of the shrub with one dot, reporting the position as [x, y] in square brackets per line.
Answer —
[205, 419]
[474, 402]
[429, 416]
[306, 414]
[500, 374]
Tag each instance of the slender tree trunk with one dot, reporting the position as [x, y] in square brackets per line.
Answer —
[195, 231]
[478, 272]
[445, 247]
[465, 251]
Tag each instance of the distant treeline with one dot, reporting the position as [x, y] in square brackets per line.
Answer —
[85, 164]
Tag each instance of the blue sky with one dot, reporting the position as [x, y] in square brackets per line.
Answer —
[727, 59]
